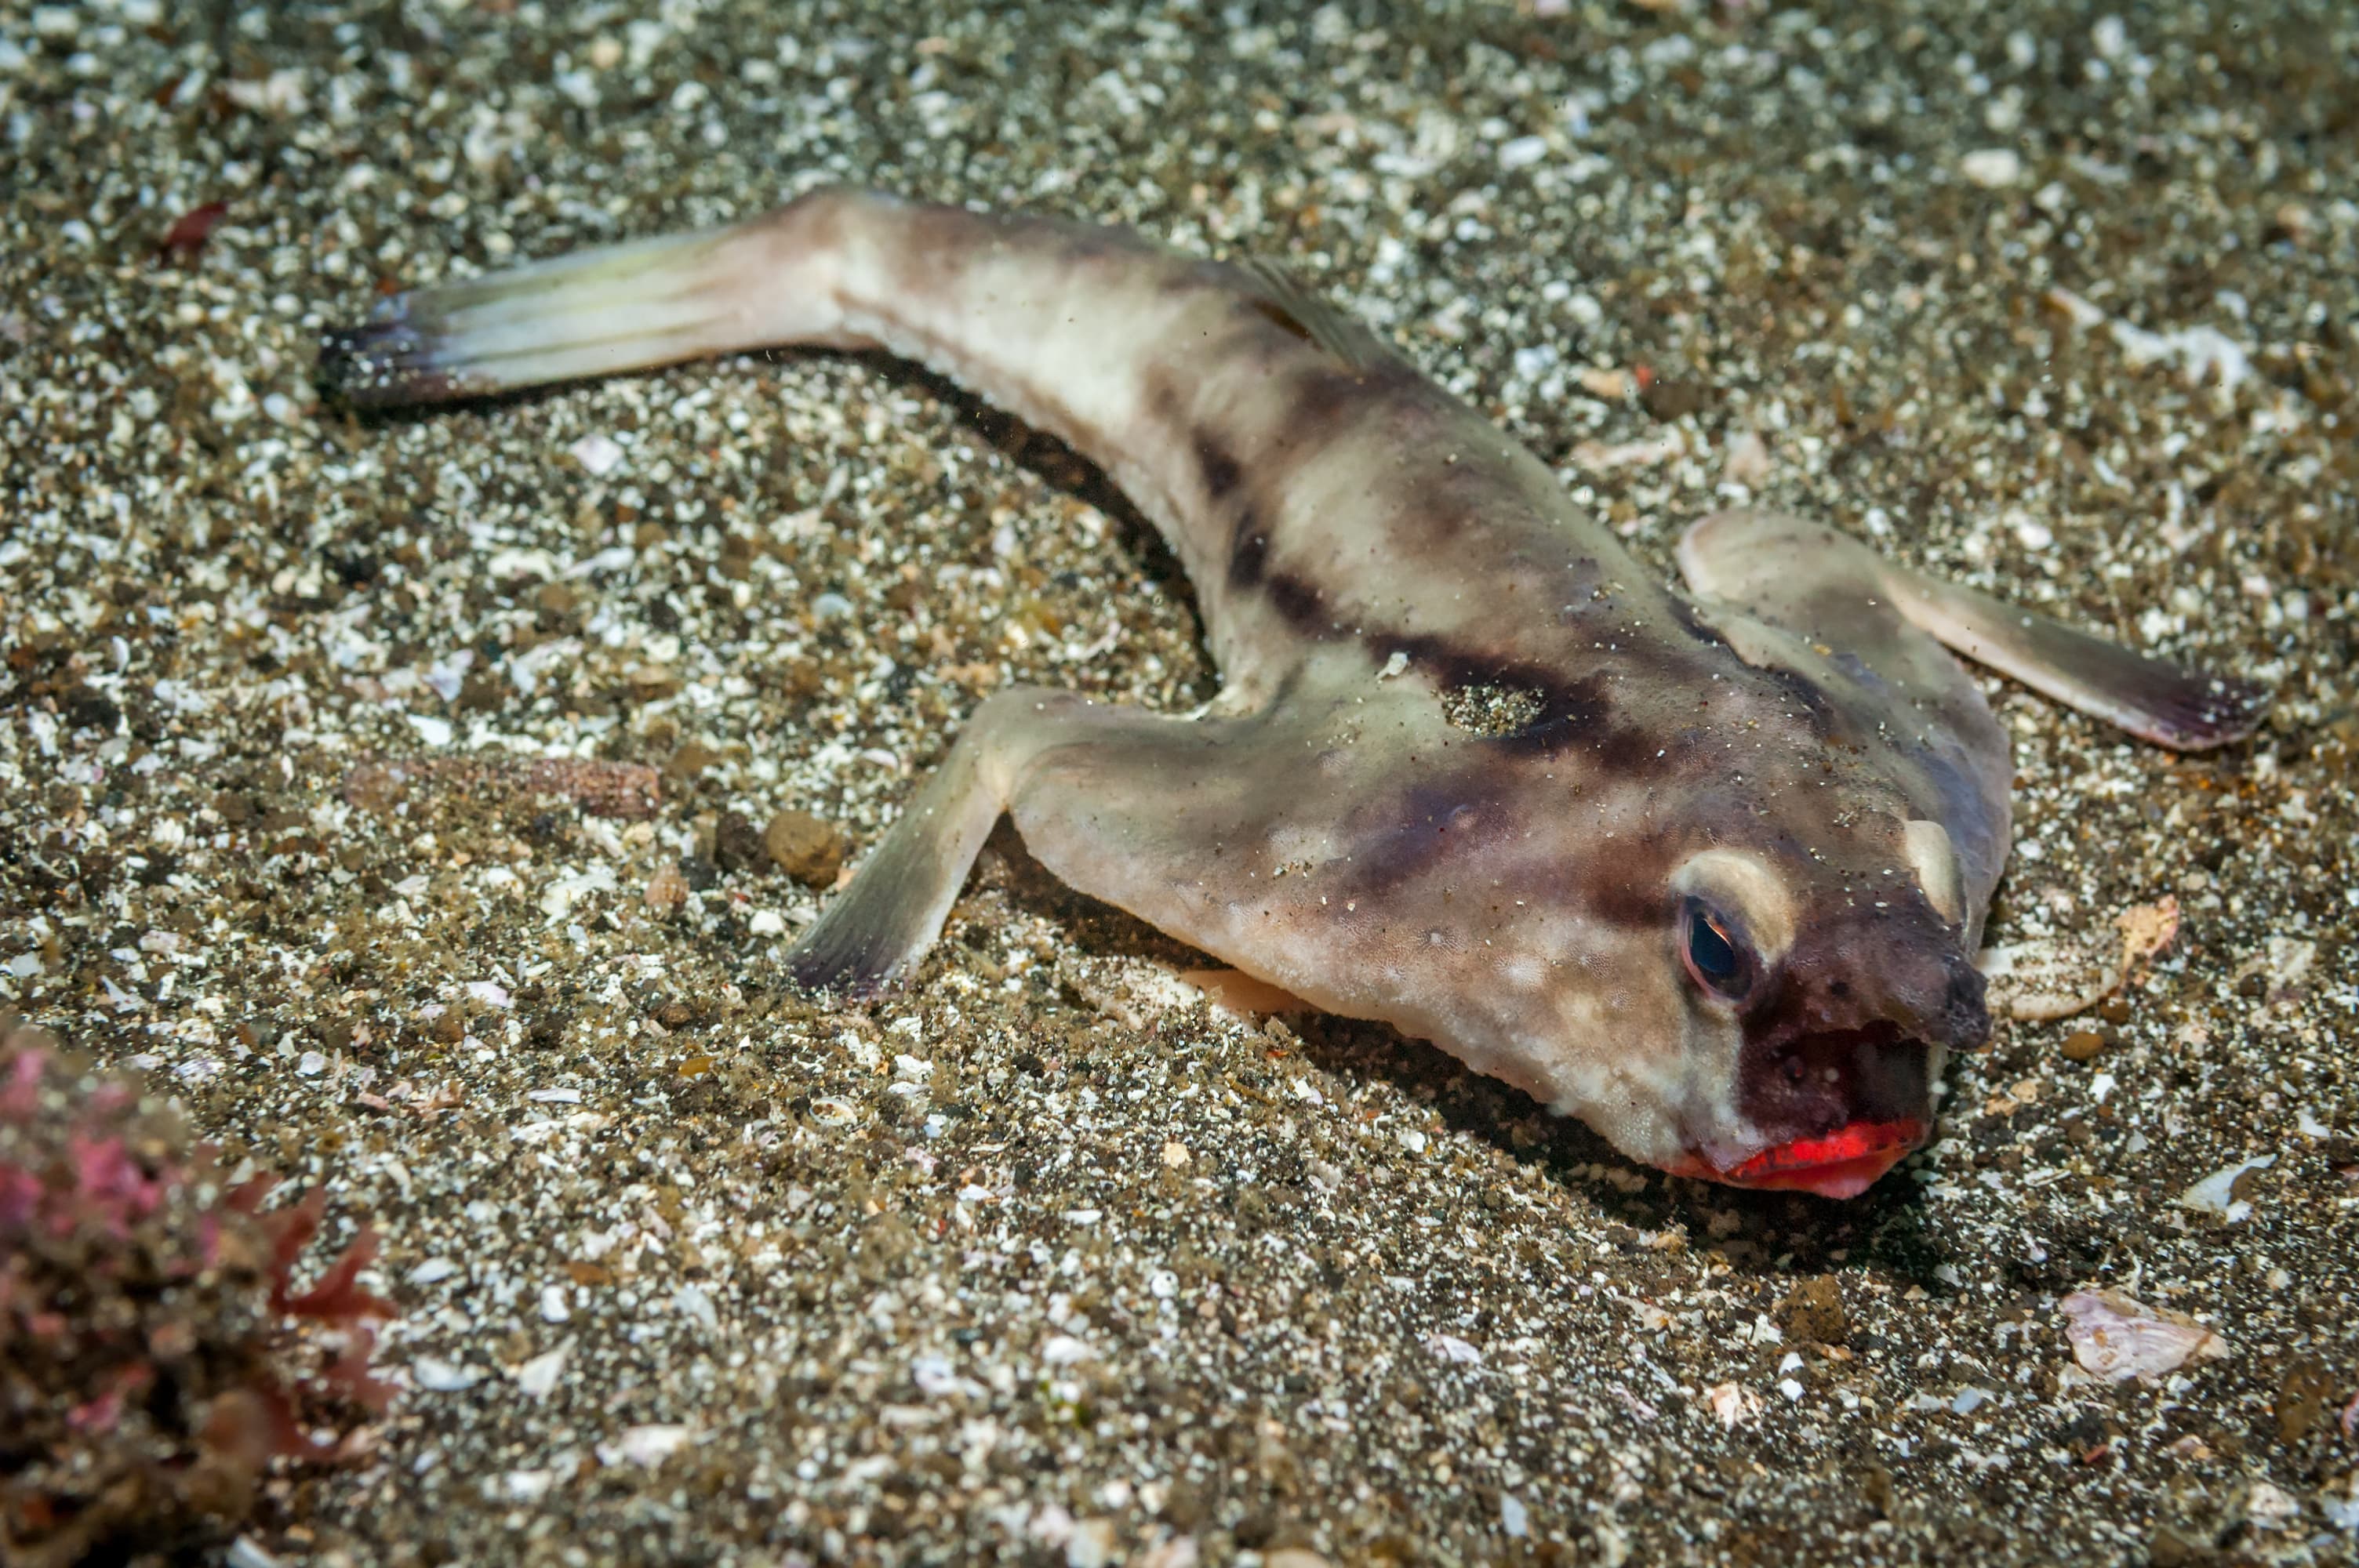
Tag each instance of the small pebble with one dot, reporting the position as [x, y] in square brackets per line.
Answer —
[599, 455]
[438, 1376]
[2083, 1045]
[735, 845]
[666, 888]
[1814, 1310]
[1991, 167]
[807, 848]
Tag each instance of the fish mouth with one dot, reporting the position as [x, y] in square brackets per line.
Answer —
[1843, 1163]
[1838, 1108]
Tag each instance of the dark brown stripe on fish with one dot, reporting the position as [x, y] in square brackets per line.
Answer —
[1249, 551]
[1572, 714]
[1278, 314]
[1638, 900]
[1216, 466]
[1405, 836]
[1321, 397]
[1300, 603]
[1296, 599]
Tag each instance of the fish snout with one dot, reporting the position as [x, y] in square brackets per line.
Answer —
[1910, 974]
[1960, 1018]
[1815, 1082]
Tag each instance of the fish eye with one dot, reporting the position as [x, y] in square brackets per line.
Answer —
[1714, 958]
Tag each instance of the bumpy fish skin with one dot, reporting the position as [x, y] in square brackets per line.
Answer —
[1712, 883]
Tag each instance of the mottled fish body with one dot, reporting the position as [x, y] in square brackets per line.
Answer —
[1707, 870]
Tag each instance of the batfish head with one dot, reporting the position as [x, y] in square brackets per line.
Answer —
[1738, 943]
[1717, 994]
[1820, 997]
[1812, 904]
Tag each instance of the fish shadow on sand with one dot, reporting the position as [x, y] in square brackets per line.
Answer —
[1769, 1237]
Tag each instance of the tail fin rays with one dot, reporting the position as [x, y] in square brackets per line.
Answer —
[619, 307]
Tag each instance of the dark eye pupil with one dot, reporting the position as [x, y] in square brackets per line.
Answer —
[1713, 955]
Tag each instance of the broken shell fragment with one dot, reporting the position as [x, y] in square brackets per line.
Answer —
[2218, 1192]
[2118, 1337]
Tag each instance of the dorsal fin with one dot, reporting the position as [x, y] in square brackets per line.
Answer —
[1310, 315]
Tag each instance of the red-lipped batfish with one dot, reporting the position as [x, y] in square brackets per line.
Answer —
[1705, 868]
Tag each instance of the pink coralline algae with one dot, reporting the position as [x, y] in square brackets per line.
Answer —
[156, 1354]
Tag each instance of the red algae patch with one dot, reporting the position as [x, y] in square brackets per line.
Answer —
[156, 1356]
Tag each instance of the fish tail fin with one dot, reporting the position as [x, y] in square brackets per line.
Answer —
[595, 312]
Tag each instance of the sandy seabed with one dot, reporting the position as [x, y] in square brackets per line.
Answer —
[1045, 1258]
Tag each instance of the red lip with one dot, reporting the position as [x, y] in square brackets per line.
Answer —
[1841, 1165]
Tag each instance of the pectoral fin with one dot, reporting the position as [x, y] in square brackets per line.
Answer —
[1122, 804]
[893, 909]
[2168, 704]
[1821, 584]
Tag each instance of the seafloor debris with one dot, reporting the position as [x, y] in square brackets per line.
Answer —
[192, 229]
[2118, 1337]
[151, 1365]
[2202, 354]
[628, 790]
[2045, 978]
[1734, 1403]
[808, 849]
[2222, 1193]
